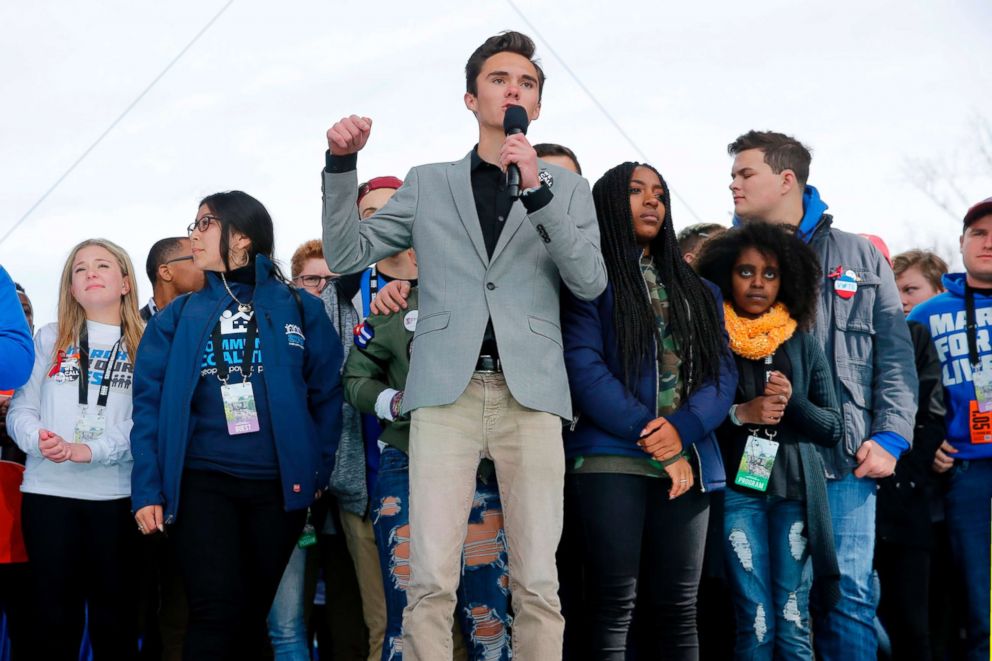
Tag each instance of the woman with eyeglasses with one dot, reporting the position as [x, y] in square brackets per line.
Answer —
[73, 419]
[238, 406]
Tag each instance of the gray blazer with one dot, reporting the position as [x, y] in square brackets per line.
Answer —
[460, 287]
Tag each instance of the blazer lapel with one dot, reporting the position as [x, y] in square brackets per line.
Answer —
[460, 182]
[517, 214]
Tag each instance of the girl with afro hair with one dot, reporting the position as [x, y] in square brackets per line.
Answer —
[777, 519]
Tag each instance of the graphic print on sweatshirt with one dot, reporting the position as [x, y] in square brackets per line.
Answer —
[68, 368]
[950, 337]
[234, 332]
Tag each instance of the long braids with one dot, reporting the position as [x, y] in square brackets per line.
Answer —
[694, 320]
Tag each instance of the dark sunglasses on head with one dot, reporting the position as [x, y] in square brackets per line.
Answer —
[201, 224]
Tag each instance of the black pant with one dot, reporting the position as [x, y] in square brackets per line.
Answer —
[15, 602]
[904, 575]
[632, 536]
[82, 551]
[232, 540]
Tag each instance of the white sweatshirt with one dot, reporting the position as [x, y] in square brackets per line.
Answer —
[52, 403]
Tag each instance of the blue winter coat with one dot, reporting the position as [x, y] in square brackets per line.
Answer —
[303, 387]
[16, 346]
[609, 418]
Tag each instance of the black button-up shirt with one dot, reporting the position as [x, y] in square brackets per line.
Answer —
[492, 201]
[492, 204]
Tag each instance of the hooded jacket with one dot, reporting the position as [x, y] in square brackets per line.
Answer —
[944, 316]
[865, 339]
[16, 346]
[303, 384]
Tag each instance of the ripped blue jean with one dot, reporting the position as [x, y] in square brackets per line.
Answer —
[483, 592]
[770, 574]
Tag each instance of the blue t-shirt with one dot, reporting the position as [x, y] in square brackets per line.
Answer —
[211, 447]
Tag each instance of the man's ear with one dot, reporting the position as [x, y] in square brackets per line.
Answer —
[471, 102]
[164, 273]
[789, 181]
[537, 111]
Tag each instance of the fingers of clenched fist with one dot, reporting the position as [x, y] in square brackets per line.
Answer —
[349, 135]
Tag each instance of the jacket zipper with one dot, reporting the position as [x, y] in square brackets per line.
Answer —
[189, 400]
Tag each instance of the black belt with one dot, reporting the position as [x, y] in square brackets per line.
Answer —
[490, 364]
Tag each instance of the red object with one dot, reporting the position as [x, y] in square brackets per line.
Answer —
[296, 488]
[376, 184]
[983, 208]
[880, 244]
[11, 538]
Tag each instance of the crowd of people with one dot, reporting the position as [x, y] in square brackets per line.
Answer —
[540, 425]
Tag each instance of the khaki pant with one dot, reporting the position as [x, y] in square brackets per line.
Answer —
[446, 445]
[361, 545]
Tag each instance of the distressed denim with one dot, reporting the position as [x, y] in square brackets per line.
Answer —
[483, 592]
[287, 630]
[968, 512]
[769, 570]
[847, 632]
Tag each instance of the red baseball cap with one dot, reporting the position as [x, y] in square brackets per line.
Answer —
[983, 208]
[377, 183]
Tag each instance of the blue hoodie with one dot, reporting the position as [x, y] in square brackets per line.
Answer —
[16, 346]
[945, 316]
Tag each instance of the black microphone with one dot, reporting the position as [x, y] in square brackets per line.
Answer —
[514, 121]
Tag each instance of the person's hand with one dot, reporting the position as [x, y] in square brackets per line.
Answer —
[763, 410]
[150, 519]
[874, 461]
[53, 447]
[660, 439]
[681, 473]
[516, 150]
[80, 453]
[942, 460]
[391, 298]
[778, 384]
[349, 135]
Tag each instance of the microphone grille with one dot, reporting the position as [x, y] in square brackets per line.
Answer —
[515, 119]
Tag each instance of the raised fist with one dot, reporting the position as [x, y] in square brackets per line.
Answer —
[349, 135]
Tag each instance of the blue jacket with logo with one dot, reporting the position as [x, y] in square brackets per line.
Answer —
[609, 418]
[945, 318]
[303, 388]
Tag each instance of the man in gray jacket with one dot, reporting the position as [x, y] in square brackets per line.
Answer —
[864, 334]
[487, 374]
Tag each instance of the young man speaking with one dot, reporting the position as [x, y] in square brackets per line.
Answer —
[487, 376]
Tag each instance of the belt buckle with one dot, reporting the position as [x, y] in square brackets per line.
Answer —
[488, 365]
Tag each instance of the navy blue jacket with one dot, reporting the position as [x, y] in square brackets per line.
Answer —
[303, 387]
[609, 418]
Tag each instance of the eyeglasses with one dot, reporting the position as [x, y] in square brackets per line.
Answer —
[319, 281]
[180, 259]
[201, 224]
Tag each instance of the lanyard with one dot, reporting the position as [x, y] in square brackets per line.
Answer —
[223, 369]
[972, 330]
[84, 371]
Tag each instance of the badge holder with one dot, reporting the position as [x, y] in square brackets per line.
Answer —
[239, 398]
[92, 425]
[757, 461]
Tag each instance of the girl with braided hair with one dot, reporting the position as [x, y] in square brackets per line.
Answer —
[651, 378]
[777, 519]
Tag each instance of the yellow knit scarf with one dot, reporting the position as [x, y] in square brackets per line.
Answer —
[757, 338]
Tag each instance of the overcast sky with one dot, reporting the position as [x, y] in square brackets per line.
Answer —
[870, 85]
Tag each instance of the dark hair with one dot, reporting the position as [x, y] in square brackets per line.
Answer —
[930, 265]
[799, 267]
[693, 315]
[504, 42]
[19, 288]
[241, 212]
[161, 251]
[692, 236]
[782, 152]
[551, 149]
